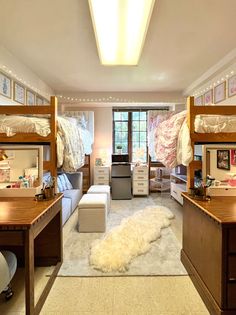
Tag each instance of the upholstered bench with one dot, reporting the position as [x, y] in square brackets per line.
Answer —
[92, 213]
[101, 189]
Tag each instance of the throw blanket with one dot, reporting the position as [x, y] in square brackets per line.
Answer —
[73, 153]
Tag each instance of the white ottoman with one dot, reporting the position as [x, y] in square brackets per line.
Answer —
[101, 189]
[92, 213]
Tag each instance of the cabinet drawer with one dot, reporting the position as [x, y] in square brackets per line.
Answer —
[140, 184]
[140, 171]
[101, 171]
[140, 191]
[176, 193]
[140, 176]
[101, 182]
[101, 177]
[232, 241]
[232, 268]
[231, 295]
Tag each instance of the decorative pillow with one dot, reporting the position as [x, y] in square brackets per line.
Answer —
[59, 184]
[66, 184]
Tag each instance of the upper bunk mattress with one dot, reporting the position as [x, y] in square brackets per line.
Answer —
[13, 124]
[215, 123]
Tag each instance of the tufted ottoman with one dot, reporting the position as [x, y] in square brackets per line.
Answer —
[101, 189]
[92, 213]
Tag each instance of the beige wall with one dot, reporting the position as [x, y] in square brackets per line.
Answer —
[219, 73]
[15, 69]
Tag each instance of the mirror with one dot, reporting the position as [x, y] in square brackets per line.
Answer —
[21, 170]
[219, 161]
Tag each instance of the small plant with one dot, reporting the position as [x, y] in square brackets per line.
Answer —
[119, 147]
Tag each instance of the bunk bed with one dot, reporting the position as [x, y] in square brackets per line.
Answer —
[34, 138]
[209, 226]
[203, 138]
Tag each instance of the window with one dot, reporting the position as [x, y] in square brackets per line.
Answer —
[130, 132]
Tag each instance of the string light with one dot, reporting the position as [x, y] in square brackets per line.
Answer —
[213, 84]
[13, 76]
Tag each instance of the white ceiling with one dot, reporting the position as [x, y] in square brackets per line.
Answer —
[55, 39]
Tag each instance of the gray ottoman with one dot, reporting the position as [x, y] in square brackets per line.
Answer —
[101, 189]
[92, 210]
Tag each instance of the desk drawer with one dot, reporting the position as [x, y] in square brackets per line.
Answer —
[232, 295]
[140, 176]
[11, 238]
[101, 171]
[140, 171]
[232, 268]
[232, 241]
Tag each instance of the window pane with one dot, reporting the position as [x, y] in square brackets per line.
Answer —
[142, 136]
[124, 126]
[143, 115]
[135, 115]
[117, 137]
[135, 126]
[124, 136]
[135, 145]
[143, 125]
[124, 115]
[135, 136]
[117, 116]
[118, 126]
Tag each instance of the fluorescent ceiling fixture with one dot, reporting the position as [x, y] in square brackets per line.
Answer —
[120, 28]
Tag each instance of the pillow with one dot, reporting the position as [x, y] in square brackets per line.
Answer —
[59, 184]
[66, 184]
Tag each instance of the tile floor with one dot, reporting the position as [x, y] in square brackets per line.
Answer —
[173, 295]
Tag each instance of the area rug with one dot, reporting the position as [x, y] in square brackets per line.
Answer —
[163, 258]
[133, 237]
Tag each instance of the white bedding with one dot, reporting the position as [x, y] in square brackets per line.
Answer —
[215, 123]
[70, 150]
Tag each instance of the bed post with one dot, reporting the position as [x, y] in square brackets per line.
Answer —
[190, 122]
[53, 144]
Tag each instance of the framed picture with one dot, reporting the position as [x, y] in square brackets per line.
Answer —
[232, 86]
[208, 97]
[19, 93]
[223, 160]
[198, 100]
[39, 100]
[30, 97]
[219, 92]
[98, 162]
[5, 85]
[233, 157]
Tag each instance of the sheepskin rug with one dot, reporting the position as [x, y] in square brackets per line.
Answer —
[133, 237]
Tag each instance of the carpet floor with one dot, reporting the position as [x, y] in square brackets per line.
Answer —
[162, 259]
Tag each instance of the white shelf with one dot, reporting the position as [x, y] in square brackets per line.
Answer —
[181, 177]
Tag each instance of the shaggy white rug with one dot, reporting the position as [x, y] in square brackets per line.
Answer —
[131, 238]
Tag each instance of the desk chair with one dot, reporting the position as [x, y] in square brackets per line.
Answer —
[8, 264]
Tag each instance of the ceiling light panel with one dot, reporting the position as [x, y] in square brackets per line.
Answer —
[120, 28]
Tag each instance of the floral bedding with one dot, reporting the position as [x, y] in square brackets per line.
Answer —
[172, 139]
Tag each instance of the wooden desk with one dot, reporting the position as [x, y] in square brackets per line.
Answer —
[33, 230]
[209, 251]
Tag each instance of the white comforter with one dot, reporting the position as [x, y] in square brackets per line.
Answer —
[70, 150]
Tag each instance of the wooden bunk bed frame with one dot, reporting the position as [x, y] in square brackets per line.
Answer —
[192, 111]
[34, 138]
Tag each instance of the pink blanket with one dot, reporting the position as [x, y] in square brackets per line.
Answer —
[166, 138]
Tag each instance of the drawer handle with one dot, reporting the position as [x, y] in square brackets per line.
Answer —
[140, 184]
[174, 192]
